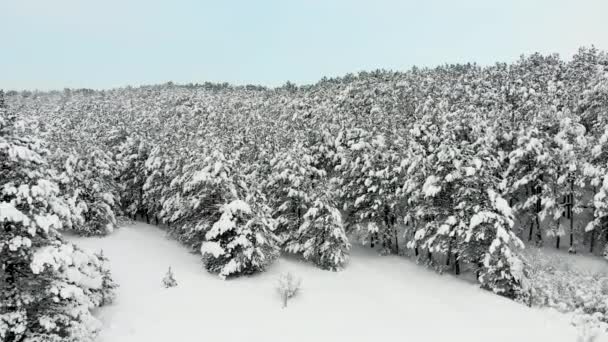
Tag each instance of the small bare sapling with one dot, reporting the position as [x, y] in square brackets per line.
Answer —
[288, 286]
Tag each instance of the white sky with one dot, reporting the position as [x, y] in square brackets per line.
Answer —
[99, 44]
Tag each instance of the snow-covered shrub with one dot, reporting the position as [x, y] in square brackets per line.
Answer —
[589, 327]
[169, 280]
[241, 241]
[105, 294]
[288, 286]
[321, 237]
[555, 282]
[48, 287]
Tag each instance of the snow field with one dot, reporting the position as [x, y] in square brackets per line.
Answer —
[374, 297]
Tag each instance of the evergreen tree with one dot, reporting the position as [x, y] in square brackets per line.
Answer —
[169, 280]
[321, 236]
[47, 286]
[241, 241]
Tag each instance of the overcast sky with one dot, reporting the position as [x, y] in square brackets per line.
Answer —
[53, 44]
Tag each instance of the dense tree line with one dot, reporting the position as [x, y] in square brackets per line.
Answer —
[457, 165]
[48, 287]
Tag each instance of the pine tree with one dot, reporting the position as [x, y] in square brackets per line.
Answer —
[321, 236]
[131, 157]
[47, 286]
[169, 280]
[241, 241]
[88, 183]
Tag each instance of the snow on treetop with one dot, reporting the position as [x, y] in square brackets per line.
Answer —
[9, 213]
[47, 221]
[213, 248]
[21, 152]
[236, 206]
[430, 187]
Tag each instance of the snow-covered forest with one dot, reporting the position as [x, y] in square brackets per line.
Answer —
[475, 171]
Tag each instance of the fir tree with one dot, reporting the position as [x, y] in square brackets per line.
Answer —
[169, 280]
[240, 242]
[47, 286]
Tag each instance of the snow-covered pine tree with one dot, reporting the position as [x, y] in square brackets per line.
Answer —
[369, 190]
[288, 186]
[459, 210]
[420, 185]
[169, 280]
[321, 237]
[241, 241]
[596, 169]
[567, 178]
[131, 158]
[88, 181]
[48, 287]
[529, 178]
[106, 293]
[158, 169]
[488, 239]
[196, 195]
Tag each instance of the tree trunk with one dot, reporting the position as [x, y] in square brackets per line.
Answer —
[447, 259]
[557, 242]
[571, 250]
[396, 241]
[456, 264]
[393, 221]
[539, 236]
[384, 244]
[592, 241]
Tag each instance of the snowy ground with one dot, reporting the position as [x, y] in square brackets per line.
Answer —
[374, 297]
[582, 261]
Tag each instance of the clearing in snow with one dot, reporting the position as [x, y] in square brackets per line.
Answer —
[367, 300]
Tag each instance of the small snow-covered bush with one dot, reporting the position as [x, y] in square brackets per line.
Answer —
[589, 327]
[288, 286]
[106, 293]
[169, 280]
